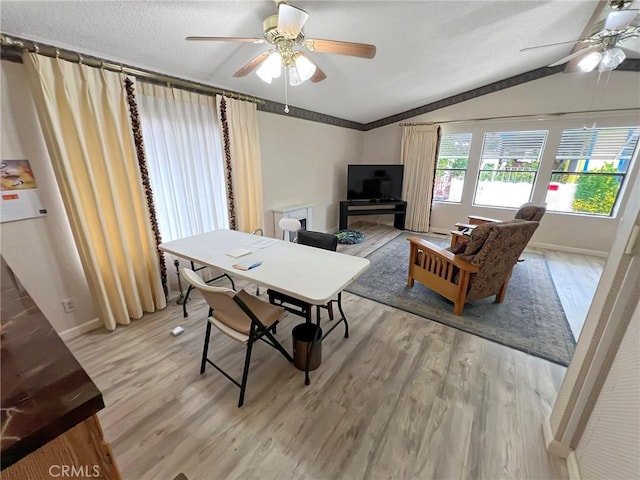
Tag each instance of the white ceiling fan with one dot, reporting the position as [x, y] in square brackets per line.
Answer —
[284, 32]
[604, 48]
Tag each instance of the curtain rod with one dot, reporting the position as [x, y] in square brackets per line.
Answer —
[514, 117]
[69, 55]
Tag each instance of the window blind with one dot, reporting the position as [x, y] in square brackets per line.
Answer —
[455, 145]
[521, 146]
[599, 144]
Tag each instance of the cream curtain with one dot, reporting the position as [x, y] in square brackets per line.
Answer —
[84, 117]
[246, 163]
[419, 151]
[183, 142]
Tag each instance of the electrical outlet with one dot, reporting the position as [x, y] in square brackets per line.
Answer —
[68, 305]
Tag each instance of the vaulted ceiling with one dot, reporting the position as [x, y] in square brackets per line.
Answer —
[426, 50]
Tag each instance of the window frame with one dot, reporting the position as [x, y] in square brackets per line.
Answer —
[617, 174]
[465, 136]
[535, 172]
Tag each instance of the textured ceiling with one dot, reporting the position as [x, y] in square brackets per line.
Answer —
[426, 50]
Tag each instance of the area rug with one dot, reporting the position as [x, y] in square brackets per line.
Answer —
[531, 319]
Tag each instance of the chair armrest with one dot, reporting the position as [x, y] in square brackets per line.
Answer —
[466, 228]
[444, 254]
[476, 220]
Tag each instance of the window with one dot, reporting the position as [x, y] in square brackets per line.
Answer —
[508, 167]
[590, 168]
[453, 159]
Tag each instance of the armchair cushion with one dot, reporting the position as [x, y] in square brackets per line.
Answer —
[460, 247]
[476, 241]
[531, 211]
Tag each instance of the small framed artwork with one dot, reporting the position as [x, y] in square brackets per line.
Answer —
[19, 191]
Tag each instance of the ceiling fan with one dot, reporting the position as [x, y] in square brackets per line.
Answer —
[284, 32]
[603, 49]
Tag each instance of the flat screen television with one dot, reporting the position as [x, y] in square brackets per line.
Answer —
[374, 182]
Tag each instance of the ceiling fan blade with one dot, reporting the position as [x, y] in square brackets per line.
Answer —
[318, 76]
[584, 51]
[225, 39]
[291, 19]
[621, 19]
[252, 64]
[549, 45]
[363, 50]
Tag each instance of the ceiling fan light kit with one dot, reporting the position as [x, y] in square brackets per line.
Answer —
[270, 68]
[606, 61]
[611, 59]
[604, 48]
[301, 70]
[590, 62]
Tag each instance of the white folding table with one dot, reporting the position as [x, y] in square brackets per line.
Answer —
[310, 274]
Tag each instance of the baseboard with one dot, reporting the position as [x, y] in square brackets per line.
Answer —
[546, 246]
[572, 466]
[563, 248]
[74, 332]
[442, 231]
[553, 446]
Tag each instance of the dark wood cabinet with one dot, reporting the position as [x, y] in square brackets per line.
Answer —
[397, 208]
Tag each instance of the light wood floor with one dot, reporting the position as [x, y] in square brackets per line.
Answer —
[403, 397]
[576, 278]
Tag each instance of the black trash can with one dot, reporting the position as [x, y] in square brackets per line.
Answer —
[307, 343]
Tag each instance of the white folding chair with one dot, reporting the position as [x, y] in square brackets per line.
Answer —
[242, 317]
[288, 225]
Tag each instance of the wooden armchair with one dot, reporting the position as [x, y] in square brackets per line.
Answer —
[528, 211]
[482, 270]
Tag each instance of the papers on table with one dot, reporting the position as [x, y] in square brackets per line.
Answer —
[258, 243]
[239, 252]
[262, 242]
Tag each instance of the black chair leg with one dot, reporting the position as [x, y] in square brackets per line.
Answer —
[344, 319]
[245, 372]
[185, 300]
[205, 350]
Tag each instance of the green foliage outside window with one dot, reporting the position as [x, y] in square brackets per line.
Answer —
[507, 176]
[597, 193]
[453, 163]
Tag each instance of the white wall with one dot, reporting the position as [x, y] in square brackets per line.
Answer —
[554, 94]
[306, 162]
[610, 444]
[40, 251]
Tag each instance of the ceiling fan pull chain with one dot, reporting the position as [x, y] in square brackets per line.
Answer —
[286, 91]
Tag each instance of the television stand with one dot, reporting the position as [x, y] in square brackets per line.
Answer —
[397, 208]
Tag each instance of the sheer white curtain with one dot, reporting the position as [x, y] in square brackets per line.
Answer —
[419, 154]
[183, 143]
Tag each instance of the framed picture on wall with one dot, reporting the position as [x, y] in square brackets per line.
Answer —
[19, 190]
